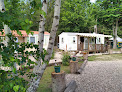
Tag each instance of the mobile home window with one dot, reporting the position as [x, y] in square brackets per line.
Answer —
[32, 39]
[99, 39]
[62, 40]
[73, 39]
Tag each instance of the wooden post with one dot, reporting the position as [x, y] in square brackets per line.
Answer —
[88, 45]
[109, 50]
[121, 49]
[85, 56]
[58, 82]
[73, 66]
[101, 47]
[77, 43]
[95, 48]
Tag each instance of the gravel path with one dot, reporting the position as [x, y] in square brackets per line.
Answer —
[99, 76]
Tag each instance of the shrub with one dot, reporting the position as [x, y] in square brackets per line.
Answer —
[53, 54]
[66, 58]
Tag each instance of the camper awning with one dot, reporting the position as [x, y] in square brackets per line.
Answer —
[118, 39]
[89, 35]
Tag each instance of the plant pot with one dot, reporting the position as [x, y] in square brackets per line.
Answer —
[73, 59]
[57, 69]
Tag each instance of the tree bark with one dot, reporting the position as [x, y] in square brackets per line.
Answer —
[82, 67]
[54, 29]
[58, 82]
[39, 71]
[41, 34]
[2, 6]
[114, 38]
[73, 66]
[71, 86]
[42, 26]
[115, 35]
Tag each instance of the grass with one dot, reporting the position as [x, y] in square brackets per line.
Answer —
[105, 57]
[116, 49]
[45, 83]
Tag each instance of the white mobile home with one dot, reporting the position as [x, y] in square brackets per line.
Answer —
[28, 38]
[69, 41]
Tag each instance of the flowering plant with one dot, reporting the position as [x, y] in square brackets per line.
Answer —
[74, 58]
[56, 65]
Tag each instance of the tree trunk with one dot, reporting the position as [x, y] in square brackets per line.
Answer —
[42, 26]
[39, 71]
[114, 38]
[54, 29]
[2, 6]
[71, 86]
[41, 34]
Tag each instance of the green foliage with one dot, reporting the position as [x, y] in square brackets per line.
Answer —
[75, 16]
[53, 54]
[66, 59]
[11, 78]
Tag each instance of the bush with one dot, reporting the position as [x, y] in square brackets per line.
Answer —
[66, 58]
[53, 54]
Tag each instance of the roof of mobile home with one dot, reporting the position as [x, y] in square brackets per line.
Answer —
[23, 32]
[85, 34]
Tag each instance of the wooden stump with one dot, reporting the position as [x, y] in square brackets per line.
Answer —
[71, 86]
[58, 82]
[85, 56]
[82, 67]
[110, 51]
[73, 66]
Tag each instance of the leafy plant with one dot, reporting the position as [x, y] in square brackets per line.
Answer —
[66, 58]
[53, 54]
[9, 58]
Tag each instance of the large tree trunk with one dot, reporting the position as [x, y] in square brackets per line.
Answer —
[54, 29]
[41, 34]
[42, 27]
[2, 6]
[115, 35]
[36, 80]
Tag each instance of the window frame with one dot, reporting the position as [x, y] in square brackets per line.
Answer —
[30, 39]
[62, 40]
[74, 40]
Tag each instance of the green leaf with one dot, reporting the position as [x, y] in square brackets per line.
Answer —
[26, 20]
[14, 70]
[12, 58]
[16, 88]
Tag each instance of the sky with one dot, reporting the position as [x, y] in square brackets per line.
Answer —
[93, 1]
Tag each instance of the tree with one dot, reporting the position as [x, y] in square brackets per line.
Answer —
[111, 14]
[39, 71]
[75, 16]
